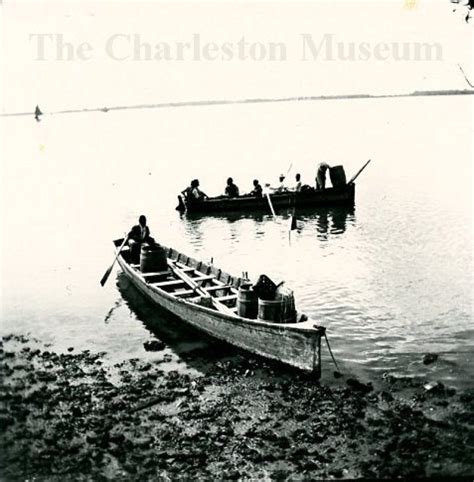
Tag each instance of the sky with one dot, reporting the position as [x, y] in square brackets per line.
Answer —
[100, 67]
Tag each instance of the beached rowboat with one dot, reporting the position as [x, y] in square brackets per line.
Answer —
[206, 297]
[341, 196]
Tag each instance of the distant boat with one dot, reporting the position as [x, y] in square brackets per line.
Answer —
[211, 300]
[38, 113]
[340, 196]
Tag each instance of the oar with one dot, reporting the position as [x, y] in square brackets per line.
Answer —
[358, 172]
[266, 193]
[107, 273]
[192, 284]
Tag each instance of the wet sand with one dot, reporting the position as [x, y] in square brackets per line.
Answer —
[73, 415]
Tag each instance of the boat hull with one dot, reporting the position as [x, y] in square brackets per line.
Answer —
[343, 196]
[295, 344]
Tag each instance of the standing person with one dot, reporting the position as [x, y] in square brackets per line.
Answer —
[231, 190]
[257, 189]
[139, 235]
[298, 182]
[321, 175]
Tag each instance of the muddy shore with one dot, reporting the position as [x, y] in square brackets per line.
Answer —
[72, 415]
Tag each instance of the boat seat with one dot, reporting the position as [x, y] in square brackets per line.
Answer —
[227, 297]
[217, 288]
[179, 294]
[187, 270]
[163, 284]
[204, 277]
[156, 273]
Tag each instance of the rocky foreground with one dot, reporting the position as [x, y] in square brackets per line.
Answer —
[73, 416]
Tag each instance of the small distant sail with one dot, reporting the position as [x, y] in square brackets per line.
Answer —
[38, 113]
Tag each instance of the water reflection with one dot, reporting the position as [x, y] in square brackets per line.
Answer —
[231, 217]
[329, 222]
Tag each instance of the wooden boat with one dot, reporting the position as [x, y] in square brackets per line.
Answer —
[206, 297]
[341, 196]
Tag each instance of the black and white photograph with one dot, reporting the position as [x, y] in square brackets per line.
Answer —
[236, 240]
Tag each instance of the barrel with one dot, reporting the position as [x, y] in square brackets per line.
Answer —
[153, 259]
[337, 176]
[247, 302]
[276, 311]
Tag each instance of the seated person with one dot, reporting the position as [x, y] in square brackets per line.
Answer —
[281, 187]
[298, 183]
[193, 193]
[257, 190]
[231, 190]
[321, 175]
[137, 236]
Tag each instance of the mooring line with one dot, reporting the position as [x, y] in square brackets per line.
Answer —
[330, 351]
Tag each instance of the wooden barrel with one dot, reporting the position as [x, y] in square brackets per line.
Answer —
[275, 310]
[153, 259]
[247, 302]
[337, 176]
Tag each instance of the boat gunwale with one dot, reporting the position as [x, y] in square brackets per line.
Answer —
[313, 193]
[331, 196]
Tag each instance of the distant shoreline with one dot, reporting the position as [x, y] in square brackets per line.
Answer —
[256, 100]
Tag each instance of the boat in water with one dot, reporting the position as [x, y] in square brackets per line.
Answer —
[341, 193]
[225, 306]
[340, 196]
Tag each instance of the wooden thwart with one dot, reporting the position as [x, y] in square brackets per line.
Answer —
[163, 284]
[192, 284]
[227, 297]
[156, 273]
[219, 287]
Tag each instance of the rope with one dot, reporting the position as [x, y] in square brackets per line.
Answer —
[330, 351]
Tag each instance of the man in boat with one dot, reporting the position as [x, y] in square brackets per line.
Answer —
[231, 190]
[193, 193]
[257, 189]
[281, 187]
[321, 175]
[298, 182]
[138, 235]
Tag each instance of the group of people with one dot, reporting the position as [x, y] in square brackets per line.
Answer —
[140, 233]
[192, 192]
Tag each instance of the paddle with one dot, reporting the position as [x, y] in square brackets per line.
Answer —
[107, 273]
[267, 195]
[358, 172]
[267, 192]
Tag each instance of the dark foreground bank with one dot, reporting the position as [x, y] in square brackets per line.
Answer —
[73, 416]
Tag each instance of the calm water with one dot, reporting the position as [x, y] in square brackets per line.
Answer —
[391, 279]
